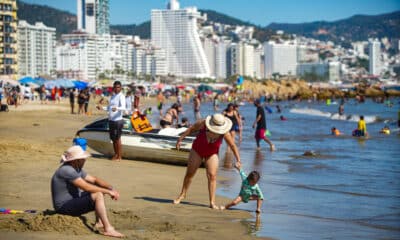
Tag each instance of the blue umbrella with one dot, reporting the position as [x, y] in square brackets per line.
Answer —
[50, 84]
[65, 83]
[39, 80]
[26, 80]
[80, 85]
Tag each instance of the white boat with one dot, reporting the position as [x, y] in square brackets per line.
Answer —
[150, 146]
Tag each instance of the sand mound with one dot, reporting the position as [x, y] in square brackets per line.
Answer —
[46, 222]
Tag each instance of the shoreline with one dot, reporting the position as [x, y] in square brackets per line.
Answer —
[31, 142]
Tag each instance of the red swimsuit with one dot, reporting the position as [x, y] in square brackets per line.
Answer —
[203, 147]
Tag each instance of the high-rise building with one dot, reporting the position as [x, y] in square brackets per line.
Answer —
[8, 38]
[242, 59]
[93, 16]
[89, 55]
[176, 31]
[220, 59]
[149, 60]
[259, 62]
[36, 49]
[280, 58]
[374, 57]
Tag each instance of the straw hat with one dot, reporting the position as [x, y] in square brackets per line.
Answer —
[73, 153]
[218, 123]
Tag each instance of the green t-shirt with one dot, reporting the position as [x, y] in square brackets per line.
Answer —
[247, 190]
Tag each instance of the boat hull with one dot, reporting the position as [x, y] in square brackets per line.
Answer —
[147, 147]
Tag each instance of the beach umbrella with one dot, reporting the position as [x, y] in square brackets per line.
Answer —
[12, 82]
[26, 80]
[50, 84]
[65, 83]
[80, 85]
[39, 80]
[203, 88]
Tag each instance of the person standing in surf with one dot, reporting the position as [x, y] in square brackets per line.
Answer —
[261, 124]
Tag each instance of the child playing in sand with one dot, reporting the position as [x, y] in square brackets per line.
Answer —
[249, 190]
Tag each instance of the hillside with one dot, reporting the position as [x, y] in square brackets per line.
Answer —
[356, 28]
[359, 27]
[63, 21]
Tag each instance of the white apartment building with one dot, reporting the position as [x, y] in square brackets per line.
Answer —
[36, 49]
[221, 59]
[93, 16]
[359, 48]
[176, 31]
[374, 57]
[209, 46]
[259, 62]
[148, 60]
[242, 59]
[280, 58]
[88, 55]
[318, 68]
[329, 71]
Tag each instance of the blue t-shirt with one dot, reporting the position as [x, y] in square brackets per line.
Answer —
[62, 189]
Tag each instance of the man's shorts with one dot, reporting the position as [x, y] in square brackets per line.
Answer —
[115, 128]
[260, 134]
[78, 206]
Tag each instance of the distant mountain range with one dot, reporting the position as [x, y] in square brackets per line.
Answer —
[356, 28]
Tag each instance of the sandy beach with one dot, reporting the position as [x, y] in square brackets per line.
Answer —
[32, 139]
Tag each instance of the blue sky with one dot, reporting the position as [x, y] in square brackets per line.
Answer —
[261, 12]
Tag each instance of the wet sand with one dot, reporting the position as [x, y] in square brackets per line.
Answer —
[32, 139]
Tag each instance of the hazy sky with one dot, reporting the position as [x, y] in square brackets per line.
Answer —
[261, 12]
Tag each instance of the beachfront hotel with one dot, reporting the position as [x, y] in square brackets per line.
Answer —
[175, 30]
[85, 56]
[93, 16]
[374, 57]
[242, 59]
[280, 58]
[36, 49]
[8, 38]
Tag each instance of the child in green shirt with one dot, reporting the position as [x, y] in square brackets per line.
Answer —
[249, 190]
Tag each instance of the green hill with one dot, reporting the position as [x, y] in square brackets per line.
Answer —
[359, 27]
[356, 28]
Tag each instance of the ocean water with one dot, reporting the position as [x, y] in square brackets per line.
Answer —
[350, 188]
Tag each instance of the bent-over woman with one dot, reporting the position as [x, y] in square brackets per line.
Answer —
[211, 132]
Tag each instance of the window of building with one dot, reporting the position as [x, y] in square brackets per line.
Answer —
[90, 9]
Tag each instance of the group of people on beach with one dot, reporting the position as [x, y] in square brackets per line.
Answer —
[75, 192]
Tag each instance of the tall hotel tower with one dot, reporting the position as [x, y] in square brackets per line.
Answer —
[8, 38]
[374, 57]
[175, 31]
[93, 16]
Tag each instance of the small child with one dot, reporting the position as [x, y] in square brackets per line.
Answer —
[185, 123]
[249, 189]
[148, 112]
[335, 131]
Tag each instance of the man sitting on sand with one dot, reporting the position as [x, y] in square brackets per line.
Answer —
[67, 184]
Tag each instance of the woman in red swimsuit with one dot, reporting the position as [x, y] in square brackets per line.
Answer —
[211, 132]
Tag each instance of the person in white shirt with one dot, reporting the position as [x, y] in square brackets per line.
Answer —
[116, 109]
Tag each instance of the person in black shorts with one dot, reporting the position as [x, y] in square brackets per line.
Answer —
[74, 192]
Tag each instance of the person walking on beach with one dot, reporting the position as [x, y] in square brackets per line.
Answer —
[233, 115]
[205, 148]
[74, 192]
[249, 189]
[116, 109]
[261, 124]
[72, 99]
